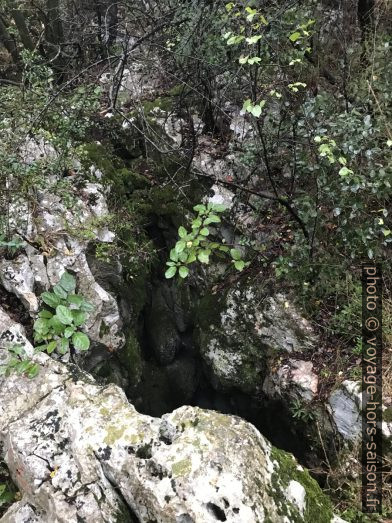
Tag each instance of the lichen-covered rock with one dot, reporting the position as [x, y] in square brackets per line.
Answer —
[81, 452]
[17, 276]
[239, 331]
[63, 233]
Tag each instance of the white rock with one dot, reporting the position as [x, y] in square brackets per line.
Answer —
[296, 493]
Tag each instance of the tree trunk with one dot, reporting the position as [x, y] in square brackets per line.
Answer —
[54, 28]
[8, 41]
[23, 31]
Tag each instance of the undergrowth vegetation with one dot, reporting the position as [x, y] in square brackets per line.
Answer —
[308, 86]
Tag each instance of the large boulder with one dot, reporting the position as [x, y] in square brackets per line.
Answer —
[81, 452]
[239, 331]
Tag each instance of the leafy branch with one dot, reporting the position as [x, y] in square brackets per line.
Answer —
[194, 245]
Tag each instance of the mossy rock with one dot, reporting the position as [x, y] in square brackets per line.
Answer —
[131, 358]
[318, 505]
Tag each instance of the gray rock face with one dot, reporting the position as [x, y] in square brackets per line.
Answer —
[345, 404]
[162, 330]
[80, 452]
[238, 333]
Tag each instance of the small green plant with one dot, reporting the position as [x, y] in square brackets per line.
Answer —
[12, 244]
[20, 363]
[357, 349]
[6, 495]
[301, 411]
[59, 326]
[195, 246]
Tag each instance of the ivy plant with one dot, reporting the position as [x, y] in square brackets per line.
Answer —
[194, 245]
[58, 326]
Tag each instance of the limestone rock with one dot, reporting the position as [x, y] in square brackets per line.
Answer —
[81, 452]
[64, 233]
[239, 331]
[16, 276]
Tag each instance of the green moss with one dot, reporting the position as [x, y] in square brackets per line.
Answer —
[130, 357]
[98, 155]
[387, 415]
[318, 505]
[165, 103]
[209, 310]
[182, 467]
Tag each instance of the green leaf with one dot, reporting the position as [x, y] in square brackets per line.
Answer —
[204, 231]
[79, 317]
[68, 332]
[344, 171]
[253, 39]
[64, 314]
[196, 223]
[182, 232]
[80, 341]
[239, 265]
[60, 292]
[218, 207]
[294, 36]
[199, 208]
[256, 111]
[45, 314]
[174, 255]
[235, 254]
[235, 39]
[63, 345]
[33, 371]
[51, 347]
[247, 106]
[183, 271]
[41, 326]
[183, 257]
[191, 257]
[180, 246]
[170, 272]
[50, 299]
[203, 257]
[213, 218]
[254, 60]
[243, 59]
[75, 299]
[17, 349]
[23, 366]
[67, 282]
[86, 306]
[56, 325]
